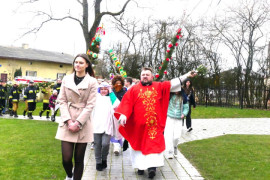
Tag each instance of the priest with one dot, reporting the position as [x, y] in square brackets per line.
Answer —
[142, 115]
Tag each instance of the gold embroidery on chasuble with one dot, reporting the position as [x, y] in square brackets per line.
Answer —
[149, 101]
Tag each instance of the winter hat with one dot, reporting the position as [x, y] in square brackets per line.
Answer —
[103, 84]
[55, 91]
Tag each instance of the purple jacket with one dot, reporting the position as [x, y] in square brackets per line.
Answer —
[52, 100]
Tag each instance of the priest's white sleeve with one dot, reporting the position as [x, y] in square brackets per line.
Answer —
[176, 83]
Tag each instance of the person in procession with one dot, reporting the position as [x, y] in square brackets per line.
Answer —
[142, 115]
[104, 124]
[25, 107]
[14, 95]
[57, 87]
[30, 95]
[3, 90]
[58, 84]
[119, 90]
[52, 103]
[46, 91]
[77, 99]
[188, 89]
[128, 85]
[10, 107]
[177, 110]
[128, 82]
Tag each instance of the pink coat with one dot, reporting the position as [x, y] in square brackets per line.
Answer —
[77, 103]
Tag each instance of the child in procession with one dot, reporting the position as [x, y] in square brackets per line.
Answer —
[104, 124]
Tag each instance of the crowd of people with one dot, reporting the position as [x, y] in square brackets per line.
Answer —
[143, 116]
[135, 115]
[30, 98]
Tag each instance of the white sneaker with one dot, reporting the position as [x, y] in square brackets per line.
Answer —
[116, 149]
[68, 178]
[92, 146]
[169, 155]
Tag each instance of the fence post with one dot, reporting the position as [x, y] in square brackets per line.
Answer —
[206, 97]
[266, 96]
[242, 98]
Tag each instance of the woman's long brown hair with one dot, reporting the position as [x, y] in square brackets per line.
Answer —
[89, 69]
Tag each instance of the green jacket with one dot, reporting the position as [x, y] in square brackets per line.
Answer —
[177, 108]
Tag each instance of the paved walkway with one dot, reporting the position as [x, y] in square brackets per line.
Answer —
[179, 168]
[119, 167]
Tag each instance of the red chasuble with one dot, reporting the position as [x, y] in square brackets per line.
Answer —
[146, 110]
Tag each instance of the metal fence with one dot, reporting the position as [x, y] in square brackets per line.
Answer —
[231, 97]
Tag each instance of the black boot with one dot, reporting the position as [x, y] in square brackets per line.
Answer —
[40, 113]
[140, 172]
[125, 145]
[24, 112]
[30, 116]
[104, 164]
[52, 118]
[15, 114]
[99, 167]
[11, 113]
[151, 172]
[48, 113]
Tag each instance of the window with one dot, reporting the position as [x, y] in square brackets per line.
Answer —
[60, 75]
[31, 73]
[60, 65]
[4, 77]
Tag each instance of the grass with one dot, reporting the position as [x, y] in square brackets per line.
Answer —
[244, 157]
[202, 112]
[28, 150]
[39, 107]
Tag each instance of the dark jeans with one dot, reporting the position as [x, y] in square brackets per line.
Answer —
[188, 118]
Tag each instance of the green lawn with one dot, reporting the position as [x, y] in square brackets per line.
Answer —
[28, 150]
[39, 107]
[202, 112]
[243, 157]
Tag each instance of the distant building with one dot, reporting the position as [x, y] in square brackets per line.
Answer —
[34, 63]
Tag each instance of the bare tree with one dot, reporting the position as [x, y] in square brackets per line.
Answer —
[241, 32]
[148, 43]
[88, 31]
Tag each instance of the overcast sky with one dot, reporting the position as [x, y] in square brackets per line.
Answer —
[66, 36]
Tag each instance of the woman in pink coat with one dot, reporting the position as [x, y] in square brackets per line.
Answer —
[77, 99]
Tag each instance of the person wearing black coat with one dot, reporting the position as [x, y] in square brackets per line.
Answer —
[14, 95]
[188, 89]
[119, 90]
[57, 86]
[30, 94]
[3, 90]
